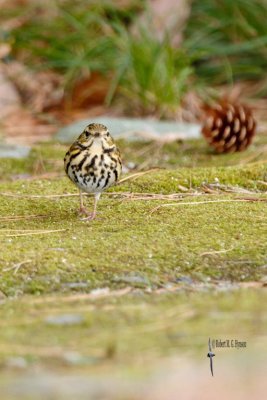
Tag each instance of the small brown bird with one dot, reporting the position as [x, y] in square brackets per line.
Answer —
[93, 163]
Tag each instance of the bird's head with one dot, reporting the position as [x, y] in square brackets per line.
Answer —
[95, 132]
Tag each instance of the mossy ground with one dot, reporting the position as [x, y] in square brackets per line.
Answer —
[187, 251]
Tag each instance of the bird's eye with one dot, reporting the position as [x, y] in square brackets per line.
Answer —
[108, 134]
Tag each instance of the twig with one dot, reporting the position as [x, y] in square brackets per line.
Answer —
[219, 188]
[35, 233]
[126, 194]
[137, 174]
[262, 183]
[252, 199]
[47, 175]
[17, 266]
[130, 177]
[20, 230]
[38, 196]
[250, 159]
[145, 149]
[257, 162]
[154, 196]
[155, 155]
[18, 217]
[203, 202]
[86, 296]
[208, 253]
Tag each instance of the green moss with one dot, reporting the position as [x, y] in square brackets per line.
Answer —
[127, 238]
[50, 259]
[168, 181]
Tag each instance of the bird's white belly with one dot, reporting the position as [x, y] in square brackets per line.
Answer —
[97, 178]
[91, 184]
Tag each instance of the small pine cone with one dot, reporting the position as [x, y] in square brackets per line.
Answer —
[229, 127]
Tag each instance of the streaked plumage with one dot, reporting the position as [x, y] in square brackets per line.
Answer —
[93, 163]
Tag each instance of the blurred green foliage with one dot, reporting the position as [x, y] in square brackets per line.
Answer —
[72, 37]
[150, 73]
[224, 41]
[227, 40]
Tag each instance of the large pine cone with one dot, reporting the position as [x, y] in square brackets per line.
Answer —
[229, 127]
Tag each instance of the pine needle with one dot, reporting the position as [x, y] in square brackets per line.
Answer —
[137, 175]
[17, 266]
[19, 217]
[195, 203]
[34, 233]
[210, 253]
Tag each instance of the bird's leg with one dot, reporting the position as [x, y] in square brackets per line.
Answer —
[92, 215]
[82, 209]
[97, 197]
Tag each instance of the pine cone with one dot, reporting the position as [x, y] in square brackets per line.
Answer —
[229, 127]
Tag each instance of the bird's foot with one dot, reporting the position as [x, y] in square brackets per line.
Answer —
[89, 216]
[84, 211]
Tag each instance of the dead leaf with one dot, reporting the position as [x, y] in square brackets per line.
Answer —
[88, 91]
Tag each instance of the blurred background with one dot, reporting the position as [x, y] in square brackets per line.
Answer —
[62, 60]
[128, 315]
